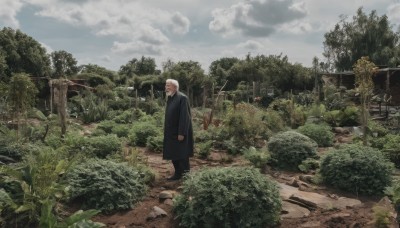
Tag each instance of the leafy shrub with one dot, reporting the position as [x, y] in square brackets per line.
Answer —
[149, 107]
[24, 188]
[135, 159]
[357, 169]
[273, 121]
[245, 124]
[101, 146]
[204, 148]
[259, 158]
[309, 164]
[391, 148]
[377, 127]
[155, 143]
[118, 103]
[320, 133]
[290, 148]
[105, 185]
[140, 132]
[106, 125]
[346, 117]
[228, 197]
[125, 117]
[121, 130]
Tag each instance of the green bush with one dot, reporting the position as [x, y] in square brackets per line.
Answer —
[140, 132]
[309, 164]
[377, 127]
[391, 148]
[228, 197]
[290, 148]
[204, 148]
[106, 125]
[125, 117]
[102, 146]
[121, 130]
[105, 185]
[358, 169]
[155, 143]
[259, 158]
[320, 133]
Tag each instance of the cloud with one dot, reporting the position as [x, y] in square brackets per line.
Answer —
[135, 47]
[251, 44]
[179, 24]
[8, 13]
[394, 13]
[105, 58]
[256, 18]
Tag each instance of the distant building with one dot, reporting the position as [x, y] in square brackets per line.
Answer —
[386, 80]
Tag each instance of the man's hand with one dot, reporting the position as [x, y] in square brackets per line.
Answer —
[180, 137]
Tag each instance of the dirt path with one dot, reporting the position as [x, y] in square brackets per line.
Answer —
[360, 216]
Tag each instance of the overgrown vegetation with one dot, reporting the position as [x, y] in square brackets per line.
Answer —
[105, 185]
[228, 197]
[357, 169]
[289, 149]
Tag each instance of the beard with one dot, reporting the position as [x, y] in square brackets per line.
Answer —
[169, 93]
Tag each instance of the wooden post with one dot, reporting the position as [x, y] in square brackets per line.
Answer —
[151, 93]
[136, 99]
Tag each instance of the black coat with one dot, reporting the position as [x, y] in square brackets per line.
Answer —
[178, 121]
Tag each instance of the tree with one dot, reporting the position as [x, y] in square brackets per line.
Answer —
[65, 65]
[366, 35]
[22, 54]
[190, 76]
[99, 70]
[364, 70]
[144, 66]
[219, 69]
[22, 94]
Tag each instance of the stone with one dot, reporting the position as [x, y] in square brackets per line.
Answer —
[306, 178]
[313, 224]
[156, 213]
[315, 200]
[167, 194]
[290, 210]
[169, 202]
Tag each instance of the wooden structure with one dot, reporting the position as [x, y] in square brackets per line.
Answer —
[386, 80]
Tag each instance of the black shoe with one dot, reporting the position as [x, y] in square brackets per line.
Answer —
[174, 178]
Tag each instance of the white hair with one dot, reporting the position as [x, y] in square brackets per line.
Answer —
[173, 82]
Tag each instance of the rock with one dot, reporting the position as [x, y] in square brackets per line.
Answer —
[306, 178]
[290, 210]
[156, 213]
[314, 224]
[87, 132]
[167, 194]
[293, 182]
[315, 200]
[169, 202]
[340, 130]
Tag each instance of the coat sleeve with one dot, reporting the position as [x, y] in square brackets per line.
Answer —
[184, 116]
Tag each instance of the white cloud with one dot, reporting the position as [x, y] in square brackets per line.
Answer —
[136, 48]
[105, 58]
[251, 45]
[256, 18]
[394, 13]
[8, 13]
[179, 24]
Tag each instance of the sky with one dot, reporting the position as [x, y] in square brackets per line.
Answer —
[110, 33]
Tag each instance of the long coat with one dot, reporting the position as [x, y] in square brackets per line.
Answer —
[178, 121]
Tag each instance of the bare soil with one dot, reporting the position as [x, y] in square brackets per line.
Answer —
[361, 216]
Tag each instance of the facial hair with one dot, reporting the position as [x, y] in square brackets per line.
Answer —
[169, 93]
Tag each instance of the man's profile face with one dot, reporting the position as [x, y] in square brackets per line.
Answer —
[170, 88]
